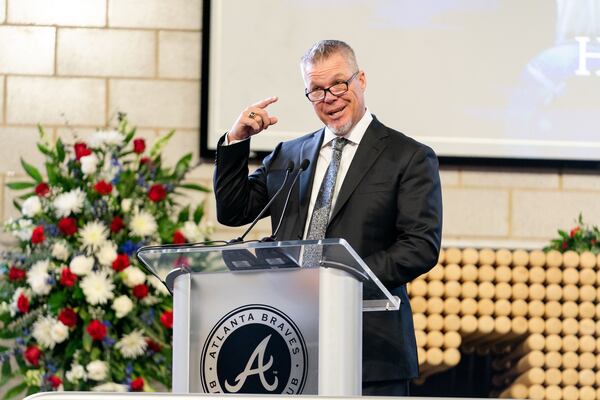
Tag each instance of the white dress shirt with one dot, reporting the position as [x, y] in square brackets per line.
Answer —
[354, 137]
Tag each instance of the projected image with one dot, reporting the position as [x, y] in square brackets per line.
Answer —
[471, 78]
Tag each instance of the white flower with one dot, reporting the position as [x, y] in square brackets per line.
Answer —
[93, 235]
[142, 224]
[81, 265]
[60, 251]
[97, 288]
[59, 332]
[132, 345]
[23, 229]
[38, 277]
[133, 276]
[97, 370]
[33, 377]
[76, 373]
[42, 332]
[110, 138]
[192, 232]
[110, 387]
[31, 206]
[158, 285]
[89, 164]
[70, 202]
[122, 306]
[107, 254]
[126, 205]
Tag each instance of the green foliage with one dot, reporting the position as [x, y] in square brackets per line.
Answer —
[580, 238]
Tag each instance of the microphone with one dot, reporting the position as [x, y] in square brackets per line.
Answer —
[288, 170]
[303, 166]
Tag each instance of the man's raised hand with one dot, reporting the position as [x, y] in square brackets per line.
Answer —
[253, 120]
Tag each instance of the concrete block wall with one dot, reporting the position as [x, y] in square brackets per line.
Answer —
[83, 61]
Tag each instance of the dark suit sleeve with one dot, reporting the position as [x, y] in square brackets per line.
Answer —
[418, 223]
[239, 197]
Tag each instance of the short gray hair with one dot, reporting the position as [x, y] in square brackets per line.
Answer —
[324, 49]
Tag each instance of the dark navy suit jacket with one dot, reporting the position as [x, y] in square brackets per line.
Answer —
[389, 209]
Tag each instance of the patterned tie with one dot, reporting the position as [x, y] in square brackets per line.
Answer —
[320, 215]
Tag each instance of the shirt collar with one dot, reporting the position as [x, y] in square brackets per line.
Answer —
[355, 135]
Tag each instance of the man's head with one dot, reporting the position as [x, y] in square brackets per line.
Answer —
[331, 64]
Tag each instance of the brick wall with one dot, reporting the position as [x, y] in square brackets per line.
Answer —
[82, 61]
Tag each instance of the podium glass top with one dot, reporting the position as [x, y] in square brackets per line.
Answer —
[168, 262]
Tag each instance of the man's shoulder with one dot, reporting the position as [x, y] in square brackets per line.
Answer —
[399, 139]
[299, 141]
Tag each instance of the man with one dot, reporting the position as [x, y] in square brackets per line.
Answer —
[366, 183]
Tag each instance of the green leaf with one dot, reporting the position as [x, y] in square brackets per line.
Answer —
[160, 144]
[21, 363]
[60, 150]
[199, 213]
[32, 171]
[194, 186]
[6, 369]
[182, 166]
[32, 390]
[87, 342]
[184, 214]
[15, 390]
[56, 302]
[26, 196]
[53, 175]
[20, 185]
[43, 134]
[45, 150]
[130, 136]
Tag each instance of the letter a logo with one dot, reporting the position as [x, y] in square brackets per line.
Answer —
[259, 355]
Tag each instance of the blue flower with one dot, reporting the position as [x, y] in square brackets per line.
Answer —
[129, 369]
[108, 341]
[147, 316]
[129, 247]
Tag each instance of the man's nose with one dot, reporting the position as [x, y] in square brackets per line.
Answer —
[329, 98]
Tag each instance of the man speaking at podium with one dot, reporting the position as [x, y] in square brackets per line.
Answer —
[367, 183]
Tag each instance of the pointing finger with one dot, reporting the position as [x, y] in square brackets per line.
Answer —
[266, 102]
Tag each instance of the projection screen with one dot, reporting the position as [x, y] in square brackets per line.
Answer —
[501, 79]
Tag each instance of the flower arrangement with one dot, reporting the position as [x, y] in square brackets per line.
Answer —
[580, 238]
[84, 316]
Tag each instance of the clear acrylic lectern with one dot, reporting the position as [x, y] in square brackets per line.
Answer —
[263, 318]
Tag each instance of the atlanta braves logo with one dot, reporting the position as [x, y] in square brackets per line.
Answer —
[254, 349]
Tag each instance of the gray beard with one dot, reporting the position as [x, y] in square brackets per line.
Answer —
[342, 130]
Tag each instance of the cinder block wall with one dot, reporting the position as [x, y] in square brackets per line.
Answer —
[79, 62]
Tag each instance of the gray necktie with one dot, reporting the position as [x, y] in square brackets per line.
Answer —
[320, 215]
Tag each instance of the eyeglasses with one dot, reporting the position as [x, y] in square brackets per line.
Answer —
[337, 90]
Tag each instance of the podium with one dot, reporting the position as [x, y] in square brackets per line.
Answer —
[268, 317]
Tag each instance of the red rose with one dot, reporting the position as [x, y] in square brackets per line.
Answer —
[68, 226]
[38, 235]
[81, 150]
[574, 231]
[121, 262]
[103, 188]
[564, 245]
[68, 317]
[42, 189]
[146, 160]
[23, 304]
[32, 355]
[167, 319]
[16, 274]
[55, 381]
[137, 385]
[152, 345]
[67, 278]
[140, 291]
[116, 224]
[157, 192]
[139, 145]
[178, 237]
[96, 330]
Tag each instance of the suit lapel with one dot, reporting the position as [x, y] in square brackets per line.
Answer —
[370, 147]
[310, 150]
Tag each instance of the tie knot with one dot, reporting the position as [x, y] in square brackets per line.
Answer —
[339, 143]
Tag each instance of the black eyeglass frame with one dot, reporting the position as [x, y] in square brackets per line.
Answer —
[328, 89]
